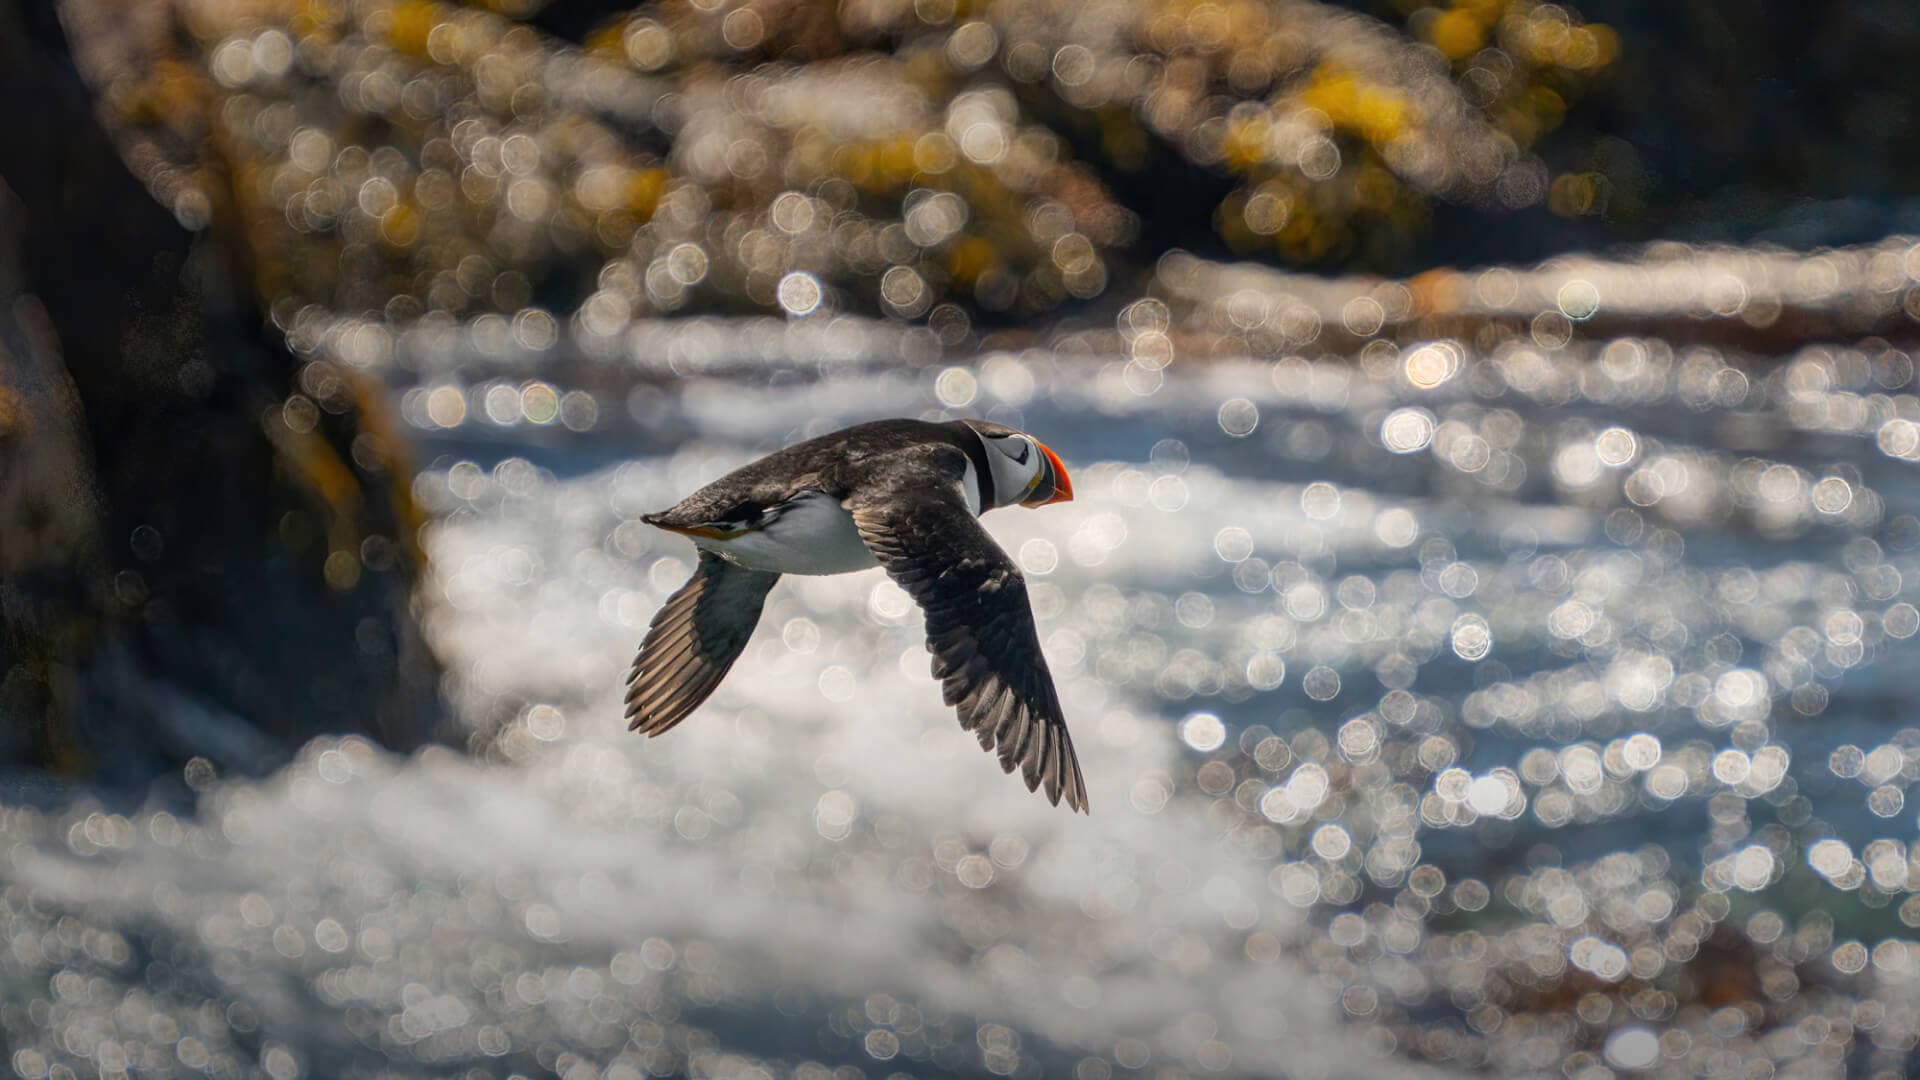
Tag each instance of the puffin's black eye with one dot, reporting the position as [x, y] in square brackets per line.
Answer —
[1020, 451]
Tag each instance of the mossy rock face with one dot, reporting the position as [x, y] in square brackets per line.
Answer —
[204, 553]
[50, 570]
[921, 161]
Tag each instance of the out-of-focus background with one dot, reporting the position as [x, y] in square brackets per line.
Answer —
[1485, 617]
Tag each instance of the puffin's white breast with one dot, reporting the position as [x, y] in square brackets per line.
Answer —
[812, 534]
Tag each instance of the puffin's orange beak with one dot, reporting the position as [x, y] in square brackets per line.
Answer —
[1055, 486]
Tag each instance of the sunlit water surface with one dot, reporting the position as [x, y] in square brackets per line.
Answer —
[1542, 708]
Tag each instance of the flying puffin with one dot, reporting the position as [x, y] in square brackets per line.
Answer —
[901, 494]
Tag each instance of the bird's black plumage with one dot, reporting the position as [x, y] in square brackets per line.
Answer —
[902, 485]
[833, 464]
[693, 640]
[986, 652]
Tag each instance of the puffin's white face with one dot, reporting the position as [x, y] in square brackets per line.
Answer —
[1025, 471]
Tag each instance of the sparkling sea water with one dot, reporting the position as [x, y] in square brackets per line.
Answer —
[1523, 703]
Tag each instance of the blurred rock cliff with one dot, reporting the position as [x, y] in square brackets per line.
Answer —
[198, 557]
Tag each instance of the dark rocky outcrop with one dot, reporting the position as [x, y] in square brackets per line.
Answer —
[205, 549]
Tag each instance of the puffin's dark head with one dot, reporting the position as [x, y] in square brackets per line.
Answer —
[1024, 470]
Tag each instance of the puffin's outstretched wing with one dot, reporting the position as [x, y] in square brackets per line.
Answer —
[692, 642]
[979, 625]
